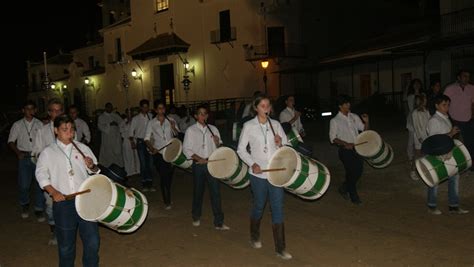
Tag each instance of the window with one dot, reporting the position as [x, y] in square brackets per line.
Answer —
[118, 50]
[161, 5]
[224, 24]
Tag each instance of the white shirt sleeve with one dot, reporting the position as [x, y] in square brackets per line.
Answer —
[359, 124]
[242, 147]
[332, 130]
[42, 171]
[285, 116]
[148, 130]
[38, 142]
[188, 143]
[433, 127]
[87, 132]
[103, 124]
[281, 133]
[14, 133]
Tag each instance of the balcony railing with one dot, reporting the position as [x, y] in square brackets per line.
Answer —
[459, 22]
[284, 50]
[223, 35]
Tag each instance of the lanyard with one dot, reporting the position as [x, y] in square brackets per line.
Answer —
[29, 130]
[264, 132]
[71, 171]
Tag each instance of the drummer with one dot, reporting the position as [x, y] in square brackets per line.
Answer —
[61, 169]
[159, 131]
[200, 140]
[440, 123]
[343, 131]
[257, 133]
[292, 116]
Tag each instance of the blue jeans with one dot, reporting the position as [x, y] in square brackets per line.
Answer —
[67, 223]
[145, 163]
[200, 177]
[453, 193]
[26, 176]
[261, 189]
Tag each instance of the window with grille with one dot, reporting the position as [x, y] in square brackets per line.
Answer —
[161, 5]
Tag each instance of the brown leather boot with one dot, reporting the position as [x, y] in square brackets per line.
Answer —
[279, 238]
[255, 233]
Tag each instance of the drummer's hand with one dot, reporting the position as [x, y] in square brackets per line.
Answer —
[349, 146]
[20, 155]
[278, 140]
[89, 162]
[365, 118]
[201, 161]
[133, 144]
[302, 134]
[297, 114]
[256, 168]
[455, 130]
[216, 140]
[57, 196]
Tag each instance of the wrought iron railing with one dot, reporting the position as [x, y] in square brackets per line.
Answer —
[458, 22]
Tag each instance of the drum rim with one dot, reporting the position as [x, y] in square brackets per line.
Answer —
[84, 186]
[366, 132]
[234, 166]
[295, 174]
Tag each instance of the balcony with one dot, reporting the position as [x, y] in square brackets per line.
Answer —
[457, 23]
[284, 50]
[223, 35]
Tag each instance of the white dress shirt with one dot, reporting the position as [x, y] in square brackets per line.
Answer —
[23, 132]
[82, 130]
[161, 133]
[44, 138]
[420, 121]
[185, 123]
[262, 143]
[439, 123]
[198, 140]
[287, 115]
[138, 125]
[345, 128]
[53, 167]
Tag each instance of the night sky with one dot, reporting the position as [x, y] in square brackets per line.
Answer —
[42, 26]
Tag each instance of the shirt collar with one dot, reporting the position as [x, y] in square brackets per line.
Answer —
[62, 145]
[442, 115]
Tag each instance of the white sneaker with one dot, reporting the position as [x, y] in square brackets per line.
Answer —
[434, 211]
[197, 223]
[457, 210]
[284, 255]
[168, 207]
[414, 176]
[25, 215]
[256, 244]
[52, 240]
[223, 227]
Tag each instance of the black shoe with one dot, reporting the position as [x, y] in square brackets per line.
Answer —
[343, 192]
[40, 216]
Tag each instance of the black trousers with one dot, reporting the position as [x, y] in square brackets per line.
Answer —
[165, 171]
[353, 165]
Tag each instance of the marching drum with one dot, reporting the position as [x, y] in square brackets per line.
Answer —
[173, 153]
[303, 176]
[225, 164]
[111, 204]
[375, 151]
[437, 169]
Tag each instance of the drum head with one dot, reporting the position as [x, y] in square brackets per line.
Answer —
[171, 152]
[226, 165]
[92, 205]
[373, 145]
[284, 157]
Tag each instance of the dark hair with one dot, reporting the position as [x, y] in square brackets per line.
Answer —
[73, 107]
[342, 99]
[108, 104]
[144, 102]
[418, 100]
[54, 101]
[288, 96]
[460, 71]
[158, 102]
[259, 99]
[411, 87]
[63, 119]
[29, 103]
[201, 106]
[441, 98]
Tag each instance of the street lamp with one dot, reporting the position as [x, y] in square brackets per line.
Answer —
[187, 69]
[264, 64]
[53, 86]
[135, 75]
[87, 81]
[64, 86]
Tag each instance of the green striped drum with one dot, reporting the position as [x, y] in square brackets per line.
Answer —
[224, 164]
[111, 204]
[375, 151]
[236, 129]
[305, 177]
[174, 154]
[294, 138]
[437, 169]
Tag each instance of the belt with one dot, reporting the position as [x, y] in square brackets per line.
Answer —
[27, 153]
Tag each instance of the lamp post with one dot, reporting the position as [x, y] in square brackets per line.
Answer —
[137, 76]
[264, 64]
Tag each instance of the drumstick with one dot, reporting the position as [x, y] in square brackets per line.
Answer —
[274, 170]
[207, 125]
[174, 133]
[163, 147]
[214, 160]
[80, 152]
[73, 195]
[361, 143]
